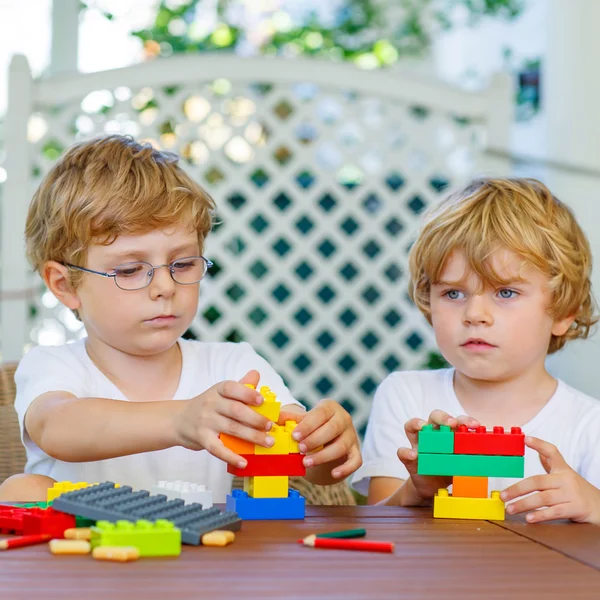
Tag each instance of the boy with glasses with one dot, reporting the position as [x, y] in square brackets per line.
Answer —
[133, 402]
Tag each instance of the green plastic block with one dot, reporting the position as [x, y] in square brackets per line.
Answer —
[158, 538]
[471, 465]
[436, 441]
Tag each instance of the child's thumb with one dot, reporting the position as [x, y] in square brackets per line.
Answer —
[251, 378]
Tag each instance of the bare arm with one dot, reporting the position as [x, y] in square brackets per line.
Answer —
[87, 429]
[389, 491]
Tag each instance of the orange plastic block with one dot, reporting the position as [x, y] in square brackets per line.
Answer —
[236, 444]
[469, 487]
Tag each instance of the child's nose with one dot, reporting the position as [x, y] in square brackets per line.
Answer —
[477, 311]
[162, 283]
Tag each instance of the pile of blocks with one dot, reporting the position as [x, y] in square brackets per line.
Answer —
[266, 494]
[470, 457]
[116, 523]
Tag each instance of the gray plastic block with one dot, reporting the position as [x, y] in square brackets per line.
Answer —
[107, 503]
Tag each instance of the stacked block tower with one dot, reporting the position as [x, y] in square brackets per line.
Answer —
[266, 494]
[470, 457]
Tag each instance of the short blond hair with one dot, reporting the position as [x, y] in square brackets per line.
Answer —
[106, 187]
[520, 215]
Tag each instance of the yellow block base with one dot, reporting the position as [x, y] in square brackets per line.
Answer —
[62, 487]
[447, 507]
[267, 487]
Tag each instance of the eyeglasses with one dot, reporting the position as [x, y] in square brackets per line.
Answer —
[137, 275]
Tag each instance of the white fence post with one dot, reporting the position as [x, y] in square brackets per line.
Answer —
[15, 200]
[65, 37]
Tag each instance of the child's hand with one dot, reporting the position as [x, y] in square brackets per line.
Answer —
[426, 486]
[563, 492]
[330, 426]
[223, 408]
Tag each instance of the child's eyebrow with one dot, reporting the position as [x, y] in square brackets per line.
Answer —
[132, 254]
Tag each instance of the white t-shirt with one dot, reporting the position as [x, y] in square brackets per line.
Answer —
[69, 368]
[570, 420]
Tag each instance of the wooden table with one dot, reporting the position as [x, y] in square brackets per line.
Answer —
[438, 559]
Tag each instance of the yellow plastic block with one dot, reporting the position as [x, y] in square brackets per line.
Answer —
[469, 487]
[447, 507]
[270, 408]
[62, 487]
[267, 487]
[282, 441]
[70, 547]
[116, 553]
[289, 427]
[78, 533]
[218, 538]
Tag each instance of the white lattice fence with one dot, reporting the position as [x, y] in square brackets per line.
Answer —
[320, 173]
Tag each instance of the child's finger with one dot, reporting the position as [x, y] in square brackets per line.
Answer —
[251, 378]
[470, 422]
[535, 501]
[236, 429]
[243, 415]
[234, 390]
[551, 513]
[536, 483]
[288, 415]
[329, 453]
[353, 463]
[323, 435]
[412, 428]
[218, 449]
[407, 456]
[439, 417]
[312, 421]
[553, 458]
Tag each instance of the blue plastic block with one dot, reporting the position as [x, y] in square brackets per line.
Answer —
[266, 509]
[104, 502]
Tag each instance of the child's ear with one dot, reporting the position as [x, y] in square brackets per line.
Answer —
[56, 277]
[561, 327]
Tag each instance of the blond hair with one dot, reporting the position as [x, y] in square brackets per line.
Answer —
[106, 187]
[520, 215]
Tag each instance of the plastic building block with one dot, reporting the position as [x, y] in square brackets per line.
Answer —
[160, 538]
[448, 507]
[280, 464]
[218, 538]
[495, 443]
[116, 554]
[11, 519]
[266, 509]
[79, 521]
[105, 503]
[284, 444]
[469, 487]
[236, 445]
[472, 465]
[188, 492]
[70, 547]
[60, 487]
[53, 522]
[267, 487]
[270, 408]
[436, 441]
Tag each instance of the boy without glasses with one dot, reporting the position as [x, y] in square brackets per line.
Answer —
[117, 232]
[502, 272]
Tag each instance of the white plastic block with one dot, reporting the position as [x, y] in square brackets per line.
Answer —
[186, 491]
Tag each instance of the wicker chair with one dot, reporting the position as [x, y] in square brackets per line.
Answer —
[12, 452]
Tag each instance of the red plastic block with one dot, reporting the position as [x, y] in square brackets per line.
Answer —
[11, 519]
[270, 465]
[492, 443]
[53, 522]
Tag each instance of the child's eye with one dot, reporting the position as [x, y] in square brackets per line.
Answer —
[507, 294]
[454, 294]
[182, 265]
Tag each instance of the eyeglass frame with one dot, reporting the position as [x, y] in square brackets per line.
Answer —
[208, 263]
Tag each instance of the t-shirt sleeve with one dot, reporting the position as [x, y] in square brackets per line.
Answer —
[45, 369]
[245, 359]
[393, 405]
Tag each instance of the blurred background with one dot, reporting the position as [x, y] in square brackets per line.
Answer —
[323, 129]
